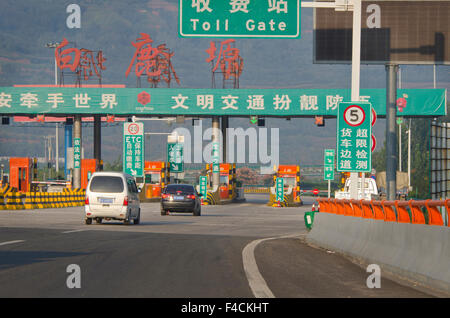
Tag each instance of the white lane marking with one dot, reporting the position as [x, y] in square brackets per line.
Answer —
[73, 231]
[257, 283]
[11, 242]
[255, 280]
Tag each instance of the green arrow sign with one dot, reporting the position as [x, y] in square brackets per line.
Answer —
[279, 190]
[175, 157]
[328, 170]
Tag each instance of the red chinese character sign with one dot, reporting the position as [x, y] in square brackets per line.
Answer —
[153, 62]
[227, 57]
[85, 63]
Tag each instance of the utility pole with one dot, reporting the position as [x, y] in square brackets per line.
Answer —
[348, 5]
[356, 63]
[391, 138]
[57, 151]
[98, 139]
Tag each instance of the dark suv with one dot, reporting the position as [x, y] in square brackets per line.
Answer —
[180, 198]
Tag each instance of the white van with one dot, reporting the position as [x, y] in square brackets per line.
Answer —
[370, 190]
[112, 196]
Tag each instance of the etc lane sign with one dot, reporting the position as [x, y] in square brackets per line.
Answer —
[208, 102]
[239, 18]
[354, 132]
[133, 149]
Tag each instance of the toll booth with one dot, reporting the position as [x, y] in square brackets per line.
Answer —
[226, 180]
[291, 176]
[154, 172]
[20, 173]
[88, 167]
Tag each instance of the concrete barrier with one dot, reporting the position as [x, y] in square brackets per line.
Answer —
[417, 252]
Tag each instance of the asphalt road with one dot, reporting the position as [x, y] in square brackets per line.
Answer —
[175, 256]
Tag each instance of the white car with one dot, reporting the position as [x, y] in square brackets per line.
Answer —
[112, 196]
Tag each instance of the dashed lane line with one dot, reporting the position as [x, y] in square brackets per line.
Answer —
[73, 231]
[11, 242]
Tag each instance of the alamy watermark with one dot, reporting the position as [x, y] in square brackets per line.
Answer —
[374, 279]
[251, 145]
[74, 279]
[73, 20]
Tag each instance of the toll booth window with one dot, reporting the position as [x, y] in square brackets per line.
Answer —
[289, 182]
[152, 178]
[106, 184]
[224, 180]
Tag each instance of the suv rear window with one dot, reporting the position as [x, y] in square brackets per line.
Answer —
[106, 184]
[173, 189]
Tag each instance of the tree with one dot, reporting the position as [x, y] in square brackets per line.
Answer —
[420, 155]
[116, 165]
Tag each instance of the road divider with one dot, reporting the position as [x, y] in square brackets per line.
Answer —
[407, 238]
[15, 200]
[429, 212]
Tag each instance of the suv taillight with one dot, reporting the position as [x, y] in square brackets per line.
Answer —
[86, 201]
[191, 196]
[125, 201]
[165, 195]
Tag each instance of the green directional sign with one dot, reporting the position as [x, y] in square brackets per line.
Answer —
[239, 18]
[253, 119]
[354, 132]
[216, 156]
[279, 189]
[175, 157]
[133, 149]
[328, 170]
[203, 181]
[77, 152]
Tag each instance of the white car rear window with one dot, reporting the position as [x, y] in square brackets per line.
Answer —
[106, 184]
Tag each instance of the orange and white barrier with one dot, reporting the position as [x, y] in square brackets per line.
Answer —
[416, 212]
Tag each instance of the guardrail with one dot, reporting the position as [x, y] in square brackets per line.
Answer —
[256, 189]
[416, 212]
[14, 200]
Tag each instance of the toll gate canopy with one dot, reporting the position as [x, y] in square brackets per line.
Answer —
[209, 102]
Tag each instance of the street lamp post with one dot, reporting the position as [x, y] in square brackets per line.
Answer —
[54, 45]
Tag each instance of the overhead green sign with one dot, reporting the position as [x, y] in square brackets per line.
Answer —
[133, 149]
[175, 157]
[208, 102]
[239, 18]
[328, 167]
[354, 135]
